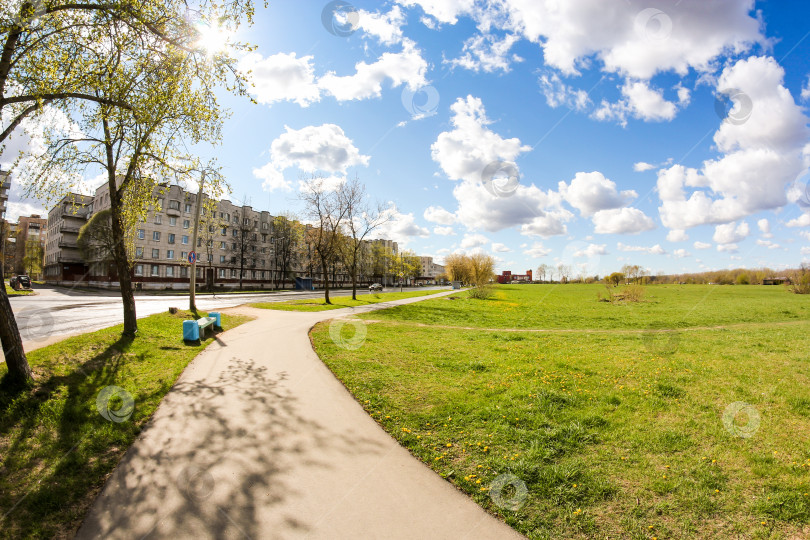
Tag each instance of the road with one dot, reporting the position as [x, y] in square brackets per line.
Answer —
[55, 311]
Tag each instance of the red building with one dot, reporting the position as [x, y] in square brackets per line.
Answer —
[508, 277]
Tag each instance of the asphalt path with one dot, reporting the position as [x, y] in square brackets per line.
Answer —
[56, 312]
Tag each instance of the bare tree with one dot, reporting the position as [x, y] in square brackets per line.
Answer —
[244, 240]
[287, 236]
[361, 220]
[325, 208]
[541, 271]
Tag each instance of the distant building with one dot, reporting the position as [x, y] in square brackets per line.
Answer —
[31, 228]
[430, 270]
[776, 281]
[508, 277]
[5, 185]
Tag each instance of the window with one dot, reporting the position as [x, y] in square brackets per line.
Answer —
[222, 272]
[187, 224]
[227, 217]
[199, 242]
[161, 204]
[236, 219]
[170, 271]
[264, 226]
[138, 252]
[233, 246]
[158, 219]
[156, 236]
[264, 238]
[222, 258]
[246, 222]
[171, 238]
[273, 240]
[233, 273]
[184, 241]
[187, 208]
[141, 234]
[170, 254]
[174, 205]
[173, 221]
[235, 232]
[210, 258]
[224, 231]
[155, 270]
[155, 253]
[222, 245]
[184, 271]
[183, 255]
[138, 269]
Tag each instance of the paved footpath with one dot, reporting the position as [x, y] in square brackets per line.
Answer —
[257, 439]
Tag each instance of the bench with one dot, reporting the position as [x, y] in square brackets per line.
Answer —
[194, 330]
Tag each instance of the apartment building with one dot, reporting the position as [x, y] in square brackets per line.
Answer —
[430, 270]
[63, 262]
[31, 228]
[5, 185]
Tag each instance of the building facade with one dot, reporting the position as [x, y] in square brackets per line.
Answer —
[30, 239]
[430, 270]
[5, 185]
[235, 245]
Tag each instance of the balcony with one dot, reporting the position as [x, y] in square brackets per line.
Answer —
[69, 258]
[68, 229]
[66, 244]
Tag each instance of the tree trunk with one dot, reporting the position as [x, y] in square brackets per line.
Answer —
[325, 273]
[19, 372]
[354, 280]
[122, 264]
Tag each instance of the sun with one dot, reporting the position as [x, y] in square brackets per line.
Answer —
[212, 38]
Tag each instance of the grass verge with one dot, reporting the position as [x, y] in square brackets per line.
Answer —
[338, 302]
[611, 432]
[56, 448]
[11, 292]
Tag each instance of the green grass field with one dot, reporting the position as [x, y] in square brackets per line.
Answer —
[686, 415]
[338, 302]
[56, 447]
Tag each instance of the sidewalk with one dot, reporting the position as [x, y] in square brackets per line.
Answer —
[257, 439]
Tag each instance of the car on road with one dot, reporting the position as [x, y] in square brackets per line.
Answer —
[375, 287]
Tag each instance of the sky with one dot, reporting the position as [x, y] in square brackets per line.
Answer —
[592, 133]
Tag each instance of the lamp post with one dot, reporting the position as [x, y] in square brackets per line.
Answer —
[193, 284]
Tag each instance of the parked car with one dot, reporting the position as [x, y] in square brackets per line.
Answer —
[375, 287]
[25, 281]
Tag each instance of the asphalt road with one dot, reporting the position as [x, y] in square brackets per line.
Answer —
[57, 311]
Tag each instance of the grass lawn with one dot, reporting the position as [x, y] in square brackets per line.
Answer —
[11, 292]
[338, 302]
[601, 427]
[56, 448]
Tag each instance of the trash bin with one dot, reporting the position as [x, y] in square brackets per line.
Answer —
[216, 316]
[191, 331]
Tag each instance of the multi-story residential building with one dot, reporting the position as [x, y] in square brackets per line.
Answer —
[63, 262]
[234, 243]
[5, 185]
[430, 270]
[31, 228]
[9, 247]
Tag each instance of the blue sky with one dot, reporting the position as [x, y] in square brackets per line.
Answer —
[606, 111]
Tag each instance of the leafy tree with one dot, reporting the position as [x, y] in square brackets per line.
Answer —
[616, 278]
[457, 268]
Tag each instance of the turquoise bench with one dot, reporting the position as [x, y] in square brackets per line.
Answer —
[192, 330]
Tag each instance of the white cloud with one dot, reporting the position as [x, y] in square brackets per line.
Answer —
[731, 233]
[642, 166]
[622, 221]
[654, 250]
[702, 245]
[639, 101]
[437, 214]
[387, 28]
[592, 192]
[469, 147]
[762, 153]
[536, 251]
[806, 90]
[400, 227]
[497, 247]
[444, 11]
[764, 228]
[768, 244]
[801, 221]
[485, 52]
[473, 241]
[591, 250]
[681, 253]
[728, 248]
[16, 209]
[406, 67]
[281, 77]
[677, 236]
[313, 148]
[558, 93]
[805, 235]
[444, 231]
